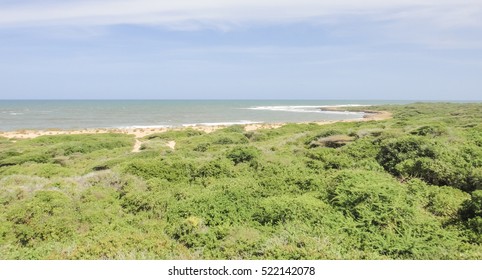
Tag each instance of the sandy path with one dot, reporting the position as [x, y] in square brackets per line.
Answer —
[137, 146]
[171, 144]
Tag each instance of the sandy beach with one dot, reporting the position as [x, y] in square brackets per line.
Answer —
[142, 132]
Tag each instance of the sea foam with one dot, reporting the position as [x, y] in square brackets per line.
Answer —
[308, 109]
[243, 122]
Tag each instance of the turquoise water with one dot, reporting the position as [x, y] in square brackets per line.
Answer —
[77, 114]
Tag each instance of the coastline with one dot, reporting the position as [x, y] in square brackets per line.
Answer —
[369, 115]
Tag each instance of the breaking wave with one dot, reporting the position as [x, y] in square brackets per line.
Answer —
[308, 109]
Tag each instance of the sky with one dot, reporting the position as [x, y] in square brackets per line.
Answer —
[241, 49]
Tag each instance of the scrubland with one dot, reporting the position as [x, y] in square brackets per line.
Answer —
[405, 188]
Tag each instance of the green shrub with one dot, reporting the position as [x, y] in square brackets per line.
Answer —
[233, 128]
[445, 201]
[471, 215]
[369, 197]
[171, 170]
[437, 172]
[472, 208]
[256, 136]
[385, 219]
[176, 134]
[202, 147]
[330, 159]
[393, 152]
[241, 242]
[194, 234]
[100, 207]
[278, 210]
[243, 154]
[229, 138]
[475, 179]
[135, 198]
[87, 143]
[215, 169]
[19, 158]
[47, 216]
[429, 130]
[106, 178]
[215, 208]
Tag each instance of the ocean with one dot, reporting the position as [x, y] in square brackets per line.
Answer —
[79, 114]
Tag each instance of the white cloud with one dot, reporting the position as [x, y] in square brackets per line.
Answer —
[441, 24]
[230, 13]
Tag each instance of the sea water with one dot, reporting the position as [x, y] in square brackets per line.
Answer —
[79, 114]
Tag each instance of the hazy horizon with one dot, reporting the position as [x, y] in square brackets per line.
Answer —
[236, 99]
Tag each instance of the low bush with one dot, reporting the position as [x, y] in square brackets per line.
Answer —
[47, 216]
[176, 134]
[471, 215]
[393, 152]
[243, 154]
[229, 139]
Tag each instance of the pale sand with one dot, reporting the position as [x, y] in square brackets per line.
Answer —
[142, 132]
[137, 146]
[171, 144]
[137, 132]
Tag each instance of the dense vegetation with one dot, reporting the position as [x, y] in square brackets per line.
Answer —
[405, 188]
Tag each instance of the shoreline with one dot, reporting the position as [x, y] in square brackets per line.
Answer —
[369, 115]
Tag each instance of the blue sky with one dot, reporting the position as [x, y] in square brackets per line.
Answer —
[241, 49]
